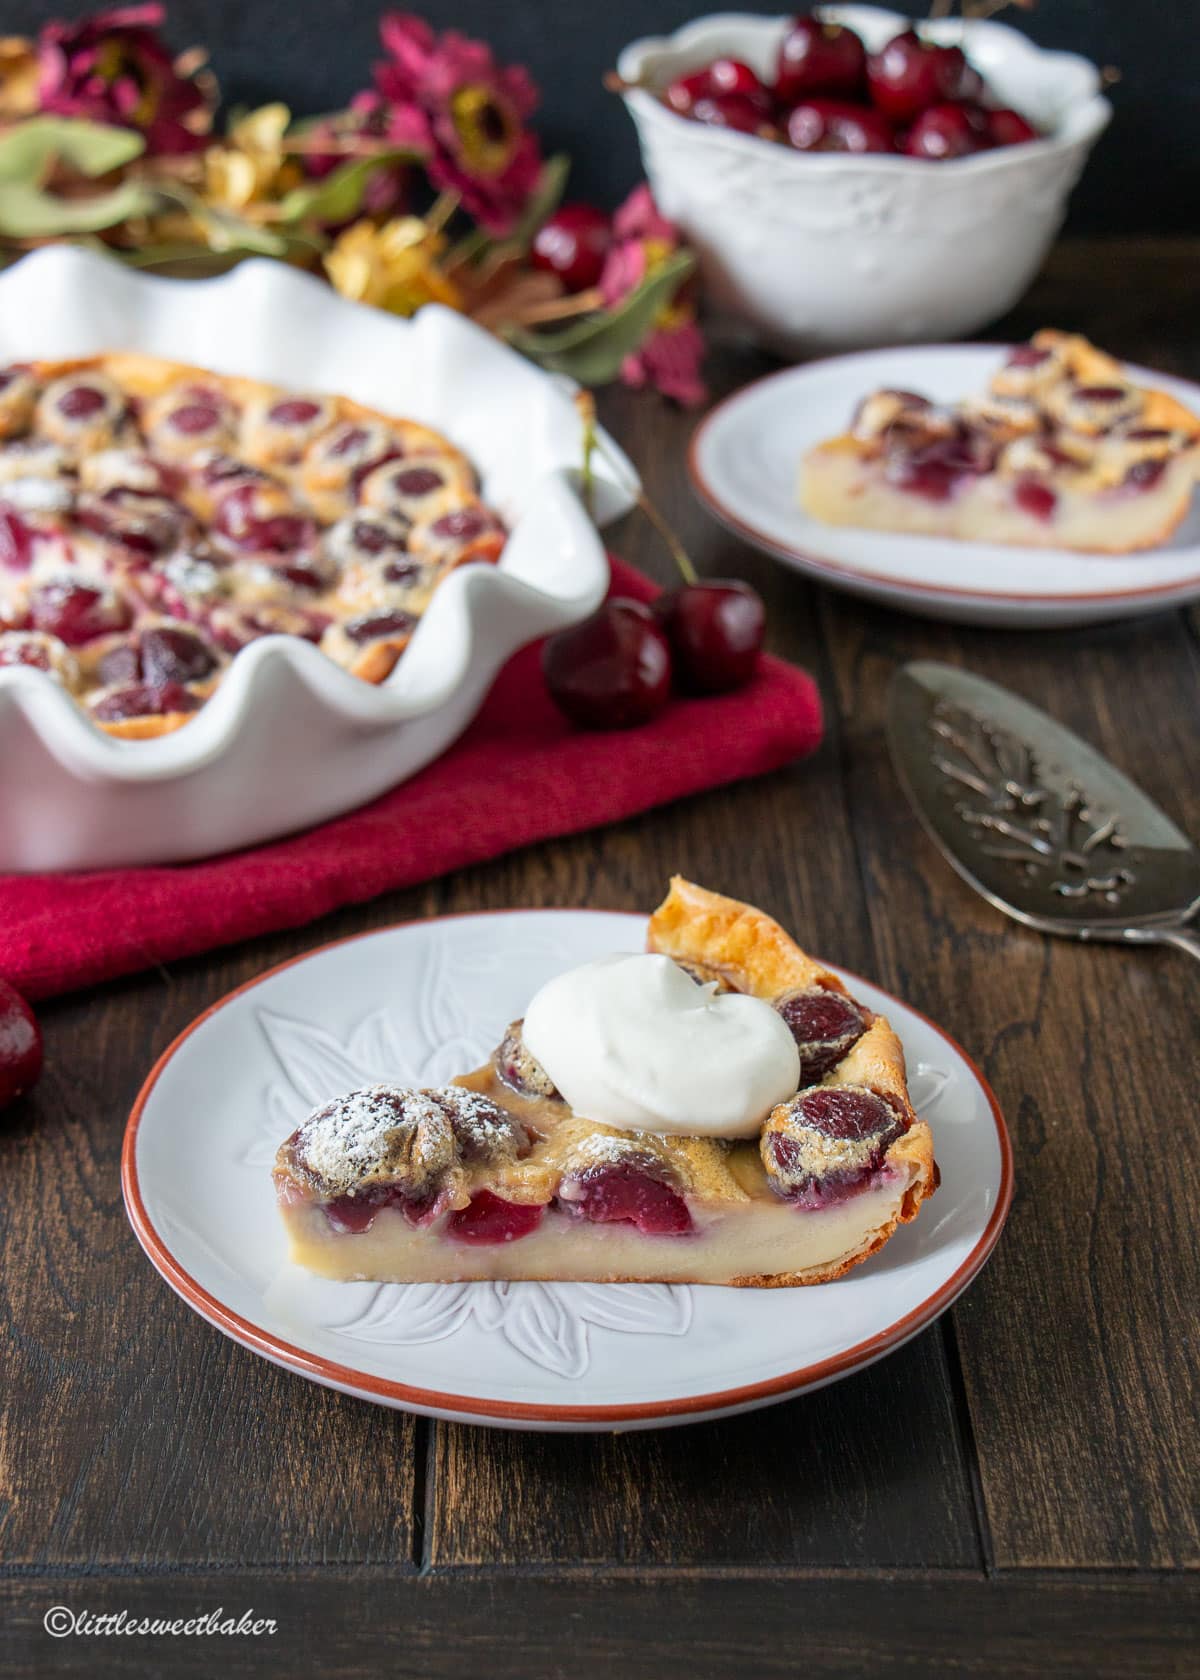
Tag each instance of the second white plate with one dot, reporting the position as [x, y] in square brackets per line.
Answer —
[744, 461]
[416, 1005]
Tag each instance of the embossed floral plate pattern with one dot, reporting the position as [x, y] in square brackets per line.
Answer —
[418, 1004]
[745, 460]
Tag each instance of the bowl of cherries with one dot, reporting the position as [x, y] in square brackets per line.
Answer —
[848, 178]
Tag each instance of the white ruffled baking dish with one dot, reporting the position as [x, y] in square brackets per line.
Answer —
[290, 739]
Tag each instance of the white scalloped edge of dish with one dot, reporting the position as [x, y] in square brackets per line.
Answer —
[289, 739]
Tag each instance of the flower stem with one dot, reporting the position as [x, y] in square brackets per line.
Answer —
[594, 442]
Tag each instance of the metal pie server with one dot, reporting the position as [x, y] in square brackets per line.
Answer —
[1035, 819]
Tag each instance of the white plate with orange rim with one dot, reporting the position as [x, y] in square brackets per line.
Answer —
[744, 462]
[417, 1004]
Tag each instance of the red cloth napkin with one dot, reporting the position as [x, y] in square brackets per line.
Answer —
[520, 773]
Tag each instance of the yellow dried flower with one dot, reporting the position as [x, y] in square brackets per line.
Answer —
[18, 77]
[395, 267]
[251, 168]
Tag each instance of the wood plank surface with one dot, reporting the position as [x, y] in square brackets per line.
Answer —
[900, 1522]
[724, 1627]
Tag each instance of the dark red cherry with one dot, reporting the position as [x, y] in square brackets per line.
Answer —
[1010, 128]
[144, 700]
[1036, 499]
[372, 627]
[944, 131]
[20, 1045]
[272, 533]
[1027, 355]
[682, 94]
[908, 75]
[194, 418]
[715, 629]
[828, 1141]
[819, 58]
[350, 441]
[730, 75]
[826, 1026]
[490, 1219]
[573, 244]
[729, 110]
[294, 411]
[612, 671]
[16, 542]
[624, 1193]
[418, 481]
[836, 125]
[77, 612]
[175, 655]
[1144, 475]
[80, 401]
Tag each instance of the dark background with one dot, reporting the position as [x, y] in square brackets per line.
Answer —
[1143, 178]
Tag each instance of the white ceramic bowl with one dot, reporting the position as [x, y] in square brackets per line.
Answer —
[827, 251]
[290, 739]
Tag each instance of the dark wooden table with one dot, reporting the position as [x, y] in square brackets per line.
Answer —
[1015, 1493]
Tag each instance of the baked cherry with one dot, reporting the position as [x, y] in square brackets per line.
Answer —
[77, 612]
[294, 411]
[247, 518]
[1035, 498]
[836, 125]
[624, 1192]
[821, 58]
[945, 131]
[1144, 475]
[729, 110]
[488, 1218]
[828, 1142]
[612, 671]
[1010, 128]
[195, 418]
[81, 401]
[373, 627]
[826, 1026]
[144, 700]
[715, 629]
[908, 75]
[20, 1045]
[573, 244]
[16, 542]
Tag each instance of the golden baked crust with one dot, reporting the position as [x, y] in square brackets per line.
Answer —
[136, 395]
[695, 925]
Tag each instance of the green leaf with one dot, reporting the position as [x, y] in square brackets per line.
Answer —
[544, 199]
[222, 230]
[30, 147]
[26, 212]
[592, 349]
[29, 152]
[339, 196]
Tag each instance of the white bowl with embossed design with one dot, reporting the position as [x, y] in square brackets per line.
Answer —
[415, 1005]
[828, 251]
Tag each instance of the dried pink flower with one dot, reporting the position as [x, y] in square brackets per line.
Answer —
[471, 111]
[112, 68]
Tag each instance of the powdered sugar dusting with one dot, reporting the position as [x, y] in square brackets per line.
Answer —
[385, 1135]
[368, 1133]
[484, 1131]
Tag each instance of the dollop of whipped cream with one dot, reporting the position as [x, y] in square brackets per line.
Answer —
[634, 1042]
